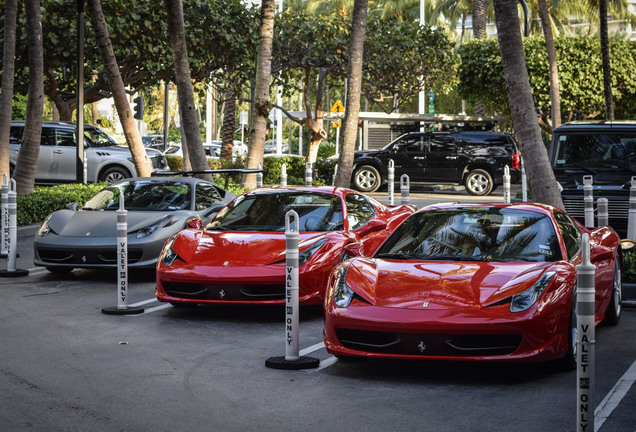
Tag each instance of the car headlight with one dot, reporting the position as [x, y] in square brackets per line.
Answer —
[148, 230]
[523, 301]
[304, 256]
[45, 228]
[169, 256]
[342, 294]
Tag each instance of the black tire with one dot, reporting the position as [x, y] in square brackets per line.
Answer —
[367, 179]
[613, 315]
[60, 270]
[479, 182]
[568, 362]
[114, 174]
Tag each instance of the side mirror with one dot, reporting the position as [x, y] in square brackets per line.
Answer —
[354, 249]
[72, 206]
[372, 226]
[194, 223]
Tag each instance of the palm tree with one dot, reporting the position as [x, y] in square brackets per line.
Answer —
[8, 72]
[133, 137]
[24, 174]
[607, 71]
[552, 60]
[261, 103]
[185, 94]
[354, 86]
[543, 185]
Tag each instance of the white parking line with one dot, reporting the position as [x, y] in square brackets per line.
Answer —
[153, 309]
[141, 303]
[614, 397]
[312, 348]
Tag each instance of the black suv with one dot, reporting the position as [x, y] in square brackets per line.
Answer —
[473, 159]
[604, 150]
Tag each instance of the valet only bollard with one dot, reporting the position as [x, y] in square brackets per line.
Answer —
[335, 174]
[391, 179]
[122, 266]
[506, 184]
[5, 216]
[404, 188]
[524, 183]
[12, 246]
[585, 340]
[588, 199]
[631, 218]
[259, 177]
[283, 175]
[308, 179]
[603, 212]
[292, 359]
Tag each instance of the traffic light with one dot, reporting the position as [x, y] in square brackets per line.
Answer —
[139, 108]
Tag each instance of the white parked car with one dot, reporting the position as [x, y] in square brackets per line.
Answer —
[106, 160]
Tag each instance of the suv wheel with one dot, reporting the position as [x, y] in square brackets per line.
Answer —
[366, 179]
[114, 174]
[479, 182]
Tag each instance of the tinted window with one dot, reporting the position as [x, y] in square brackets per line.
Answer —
[65, 137]
[442, 143]
[596, 150]
[16, 132]
[359, 210]
[474, 234]
[206, 196]
[143, 196]
[267, 212]
[411, 143]
[570, 232]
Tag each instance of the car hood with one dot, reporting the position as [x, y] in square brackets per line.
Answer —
[440, 284]
[104, 223]
[239, 249]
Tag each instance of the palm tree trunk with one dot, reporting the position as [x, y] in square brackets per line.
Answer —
[261, 103]
[107, 54]
[479, 32]
[26, 163]
[354, 83]
[185, 94]
[543, 185]
[605, 53]
[229, 124]
[6, 93]
[555, 97]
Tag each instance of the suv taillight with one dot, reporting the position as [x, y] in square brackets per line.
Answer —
[516, 160]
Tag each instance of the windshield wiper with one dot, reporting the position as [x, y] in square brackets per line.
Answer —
[453, 258]
[583, 167]
[626, 167]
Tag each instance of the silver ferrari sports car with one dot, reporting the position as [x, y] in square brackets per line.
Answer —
[157, 208]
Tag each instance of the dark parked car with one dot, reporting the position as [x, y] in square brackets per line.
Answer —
[106, 160]
[473, 159]
[604, 150]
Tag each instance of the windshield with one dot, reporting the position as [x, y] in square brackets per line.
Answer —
[596, 150]
[266, 212]
[99, 138]
[143, 196]
[474, 234]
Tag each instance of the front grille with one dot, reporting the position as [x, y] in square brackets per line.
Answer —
[101, 257]
[225, 292]
[452, 345]
[618, 210]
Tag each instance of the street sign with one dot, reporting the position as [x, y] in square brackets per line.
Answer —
[337, 107]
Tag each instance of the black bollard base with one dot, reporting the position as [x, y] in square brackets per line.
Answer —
[5, 255]
[14, 273]
[303, 362]
[122, 311]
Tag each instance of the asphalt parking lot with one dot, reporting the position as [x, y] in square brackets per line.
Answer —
[66, 366]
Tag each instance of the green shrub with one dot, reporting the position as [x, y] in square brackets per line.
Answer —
[629, 266]
[44, 200]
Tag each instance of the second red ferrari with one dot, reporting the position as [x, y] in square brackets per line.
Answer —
[239, 257]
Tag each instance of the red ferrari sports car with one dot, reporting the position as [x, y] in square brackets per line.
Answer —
[472, 282]
[239, 257]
